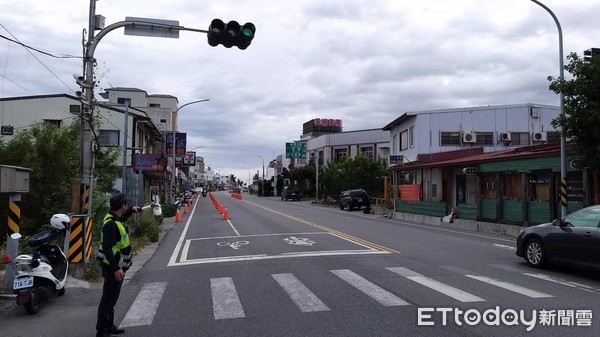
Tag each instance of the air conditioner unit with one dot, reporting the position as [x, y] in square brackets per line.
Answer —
[469, 137]
[505, 136]
[7, 130]
[540, 136]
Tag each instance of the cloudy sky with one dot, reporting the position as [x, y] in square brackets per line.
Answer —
[362, 61]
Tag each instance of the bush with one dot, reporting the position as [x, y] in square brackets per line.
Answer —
[146, 227]
[169, 210]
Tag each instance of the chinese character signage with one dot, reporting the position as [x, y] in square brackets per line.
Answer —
[179, 144]
[148, 162]
[295, 150]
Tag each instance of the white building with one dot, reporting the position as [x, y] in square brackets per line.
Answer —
[491, 127]
[424, 137]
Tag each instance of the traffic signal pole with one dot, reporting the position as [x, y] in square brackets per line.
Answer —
[229, 36]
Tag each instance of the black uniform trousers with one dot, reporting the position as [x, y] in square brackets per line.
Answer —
[110, 294]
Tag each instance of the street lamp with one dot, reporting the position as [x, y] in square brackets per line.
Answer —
[197, 147]
[563, 141]
[248, 178]
[263, 174]
[173, 178]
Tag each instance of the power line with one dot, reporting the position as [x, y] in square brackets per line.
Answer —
[40, 61]
[48, 53]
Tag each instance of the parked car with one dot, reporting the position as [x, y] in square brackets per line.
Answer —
[290, 192]
[356, 198]
[574, 239]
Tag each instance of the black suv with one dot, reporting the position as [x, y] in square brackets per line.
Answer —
[354, 198]
[290, 192]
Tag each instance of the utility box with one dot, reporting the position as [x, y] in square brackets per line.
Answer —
[14, 179]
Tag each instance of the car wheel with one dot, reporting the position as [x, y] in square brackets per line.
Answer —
[535, 255]
[61, 292]
[341, 206]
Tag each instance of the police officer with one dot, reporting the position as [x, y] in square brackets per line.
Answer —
[114, 255]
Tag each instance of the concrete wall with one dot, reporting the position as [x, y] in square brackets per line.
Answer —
[478, 226]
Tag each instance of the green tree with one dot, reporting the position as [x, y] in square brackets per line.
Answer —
[54, 157]
[581, 111]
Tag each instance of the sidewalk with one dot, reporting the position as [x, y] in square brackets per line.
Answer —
[7, 299]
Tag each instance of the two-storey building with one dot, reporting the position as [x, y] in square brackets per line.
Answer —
[494, 163]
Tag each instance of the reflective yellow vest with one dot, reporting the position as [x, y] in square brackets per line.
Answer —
[121, 250]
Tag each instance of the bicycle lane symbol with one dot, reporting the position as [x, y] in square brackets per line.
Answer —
[234, 245]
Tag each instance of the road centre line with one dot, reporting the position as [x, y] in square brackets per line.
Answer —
[327, 229]
[354, 242]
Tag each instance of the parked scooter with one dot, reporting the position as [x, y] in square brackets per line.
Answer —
[41, 275]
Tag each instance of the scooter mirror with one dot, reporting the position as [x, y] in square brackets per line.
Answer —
[16, 236]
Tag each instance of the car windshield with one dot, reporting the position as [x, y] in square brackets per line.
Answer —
[589, 217]
[358, 194]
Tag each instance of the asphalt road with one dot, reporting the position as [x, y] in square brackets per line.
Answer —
[279, 268]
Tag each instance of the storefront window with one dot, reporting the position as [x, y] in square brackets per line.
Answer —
[539, 187]
[489, 186]
[513, 188]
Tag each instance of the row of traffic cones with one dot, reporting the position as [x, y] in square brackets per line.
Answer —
[219, 206]
[185, 209]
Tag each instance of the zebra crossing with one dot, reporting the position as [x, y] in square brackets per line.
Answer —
[226, 303]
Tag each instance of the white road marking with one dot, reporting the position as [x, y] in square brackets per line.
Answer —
[235, 230]
[377, 293]
[549, 278]
[173, 258]
[498, 283]
[497, 245]
[445, 289]
[226, 303]
[510, 286]
[256, 257]
[571, 284]
[144, 307]
[299, 293]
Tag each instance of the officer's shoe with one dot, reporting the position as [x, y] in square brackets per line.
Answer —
[116, 331]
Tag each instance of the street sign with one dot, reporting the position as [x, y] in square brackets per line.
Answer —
[152, 27]
[189, 159]
[295, 150]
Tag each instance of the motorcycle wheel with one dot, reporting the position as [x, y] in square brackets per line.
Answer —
[33, 304]
[61, 292]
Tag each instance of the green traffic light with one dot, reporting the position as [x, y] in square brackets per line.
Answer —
[248, 29]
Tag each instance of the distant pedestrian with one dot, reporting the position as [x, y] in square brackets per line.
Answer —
[114, 255]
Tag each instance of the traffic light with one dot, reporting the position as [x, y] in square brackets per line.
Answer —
[230, 34]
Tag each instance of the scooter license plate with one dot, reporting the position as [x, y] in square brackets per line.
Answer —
[23, 282]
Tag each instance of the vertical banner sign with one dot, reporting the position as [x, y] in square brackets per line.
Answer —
[14, 213]
[180, 144]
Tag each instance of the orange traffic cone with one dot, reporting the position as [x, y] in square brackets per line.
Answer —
[177, 215]
[185, 209]
[225, 214]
